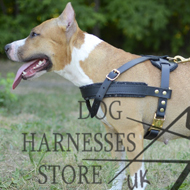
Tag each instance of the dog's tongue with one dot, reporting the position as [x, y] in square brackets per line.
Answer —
[19, 73]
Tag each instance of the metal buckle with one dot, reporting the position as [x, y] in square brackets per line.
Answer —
[157, 122]
[179, 59]
[115, 71]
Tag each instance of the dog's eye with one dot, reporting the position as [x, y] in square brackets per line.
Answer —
[33, 34]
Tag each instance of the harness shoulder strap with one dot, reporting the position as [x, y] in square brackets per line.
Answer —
[109, 79]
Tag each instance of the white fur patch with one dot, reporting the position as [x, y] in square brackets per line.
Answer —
[139, 179]
[14, 49]
[118, 181]
[73, 72]
[100, 114]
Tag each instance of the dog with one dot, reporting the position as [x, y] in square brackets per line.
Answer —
[59, 45]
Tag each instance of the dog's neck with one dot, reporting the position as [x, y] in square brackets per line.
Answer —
[90, 60]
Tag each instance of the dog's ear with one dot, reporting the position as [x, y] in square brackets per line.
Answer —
[67, 20]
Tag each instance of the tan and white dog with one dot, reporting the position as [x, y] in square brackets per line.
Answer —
[59, 45]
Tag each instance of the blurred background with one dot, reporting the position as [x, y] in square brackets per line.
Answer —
[141, 27]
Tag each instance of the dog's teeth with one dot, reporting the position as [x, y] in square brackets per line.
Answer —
[38, 65]
[40, 62]
[23, 73]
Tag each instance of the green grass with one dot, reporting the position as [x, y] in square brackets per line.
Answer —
[56, 110]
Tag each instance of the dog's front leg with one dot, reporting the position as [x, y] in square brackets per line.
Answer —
[133, 146]
[118, 182]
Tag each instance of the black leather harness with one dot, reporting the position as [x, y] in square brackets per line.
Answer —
[112, 88]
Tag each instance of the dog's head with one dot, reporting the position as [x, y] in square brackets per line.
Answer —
[47, 48]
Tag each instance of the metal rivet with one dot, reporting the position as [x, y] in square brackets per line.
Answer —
[164, 92]
[163, 102]
[156, 91]
[161, 109]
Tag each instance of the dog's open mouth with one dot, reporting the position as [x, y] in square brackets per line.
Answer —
[29, 70]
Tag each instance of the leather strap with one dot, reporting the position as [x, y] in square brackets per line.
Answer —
[109, 88]
[151, 134]
[124, 89]
[107, 82]
[162, 101]
[158, 63]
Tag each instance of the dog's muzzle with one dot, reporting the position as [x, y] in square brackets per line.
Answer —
[7, 49]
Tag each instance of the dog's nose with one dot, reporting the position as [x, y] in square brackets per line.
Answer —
[7, 48]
